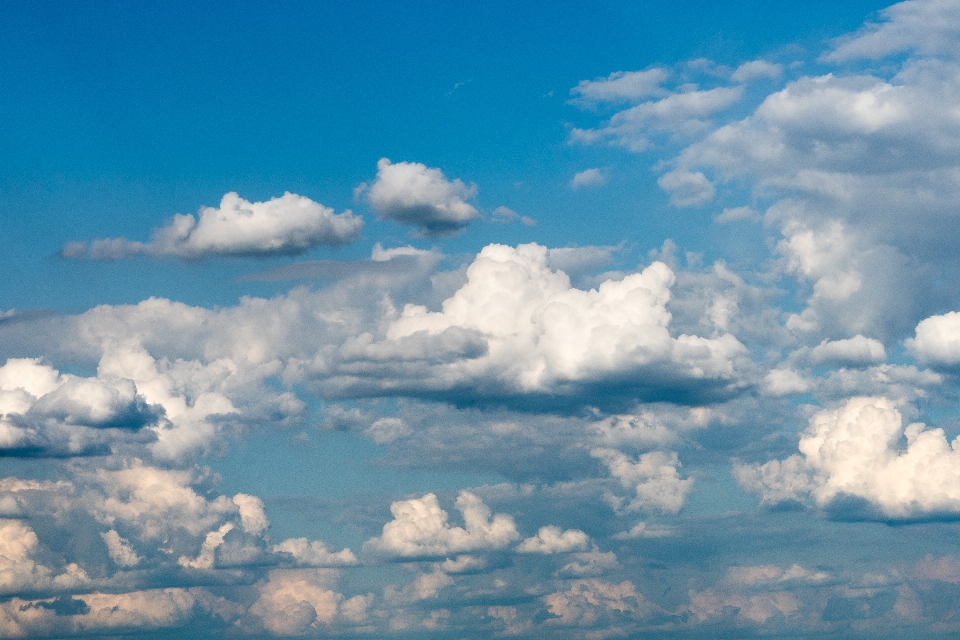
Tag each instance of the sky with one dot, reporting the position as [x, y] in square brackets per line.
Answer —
[403, 319]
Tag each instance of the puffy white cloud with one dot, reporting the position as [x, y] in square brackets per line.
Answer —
[937, 340]
[296, 601]
[588, 178]
[287, 225]
[854, 451]
[590, 603]
[854, 351]
[45, 413]
[315, 553]
[411, 193]
[542, 334]
[621, 86]
[654, 478]
[420, 528]
[551, 539]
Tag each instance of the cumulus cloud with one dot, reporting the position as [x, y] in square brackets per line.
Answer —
[413, 194]
[315, 553]
[854, 451]
[852, 351]
[43, 413]
[287, 225]
[687, 189]
[551, 539]
[506, 215]
[937, 340]
[295, 601]
[420, 528]
[543, 335]
[588, 178]
[654, 477]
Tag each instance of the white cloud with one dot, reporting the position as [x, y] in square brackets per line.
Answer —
[653, 477]
[542, 334]
[644, 530]
[687, 189]
[120, 549]
[420, 528]
[551, 539]
[757, 69]
[588, 178]
[621, 86]
[413, 194]
[295, 601]
[736, 214]
[854, 451]
[315, 553]
[852, 351]
[926, 27]
[937, 340]
[685, 112]
[287, 225]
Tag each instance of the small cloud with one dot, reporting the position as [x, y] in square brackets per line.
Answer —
[288, 225]
[686, 188]
[736, 214]
[588, 178]
[413, 194]
[757, 69]
[505, 215]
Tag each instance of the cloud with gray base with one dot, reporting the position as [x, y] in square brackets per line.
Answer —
[413, 194]
[288, 225]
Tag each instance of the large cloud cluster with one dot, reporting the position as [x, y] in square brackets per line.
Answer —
[854, 452]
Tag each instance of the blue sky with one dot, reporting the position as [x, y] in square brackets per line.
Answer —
[410, 320]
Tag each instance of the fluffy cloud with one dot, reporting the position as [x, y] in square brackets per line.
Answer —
[853, 451]
[45, 413]
[544, 336]
[295, 601]
[937, 340]
[287, 225]
[413, 194]
[551, 539]
[588, 178]
[654, 478]
[855, 351]
[420, 529]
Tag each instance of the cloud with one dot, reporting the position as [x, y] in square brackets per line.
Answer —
[937, 340]
[757, 69]
[295, 601]
[543, 336]
[315, 553]
[687, 189]
[852, 351]
[684, 112]
[653, 477]
[288, 225]
[551, 539]
[588, 178]
[621, 86]
[505, 215]
[925, 27]
[43, 413]
[413, 194]
[420, 529]
[853, 451]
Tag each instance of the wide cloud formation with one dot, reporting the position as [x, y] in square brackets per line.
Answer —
[288, 225]
[584, 420]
